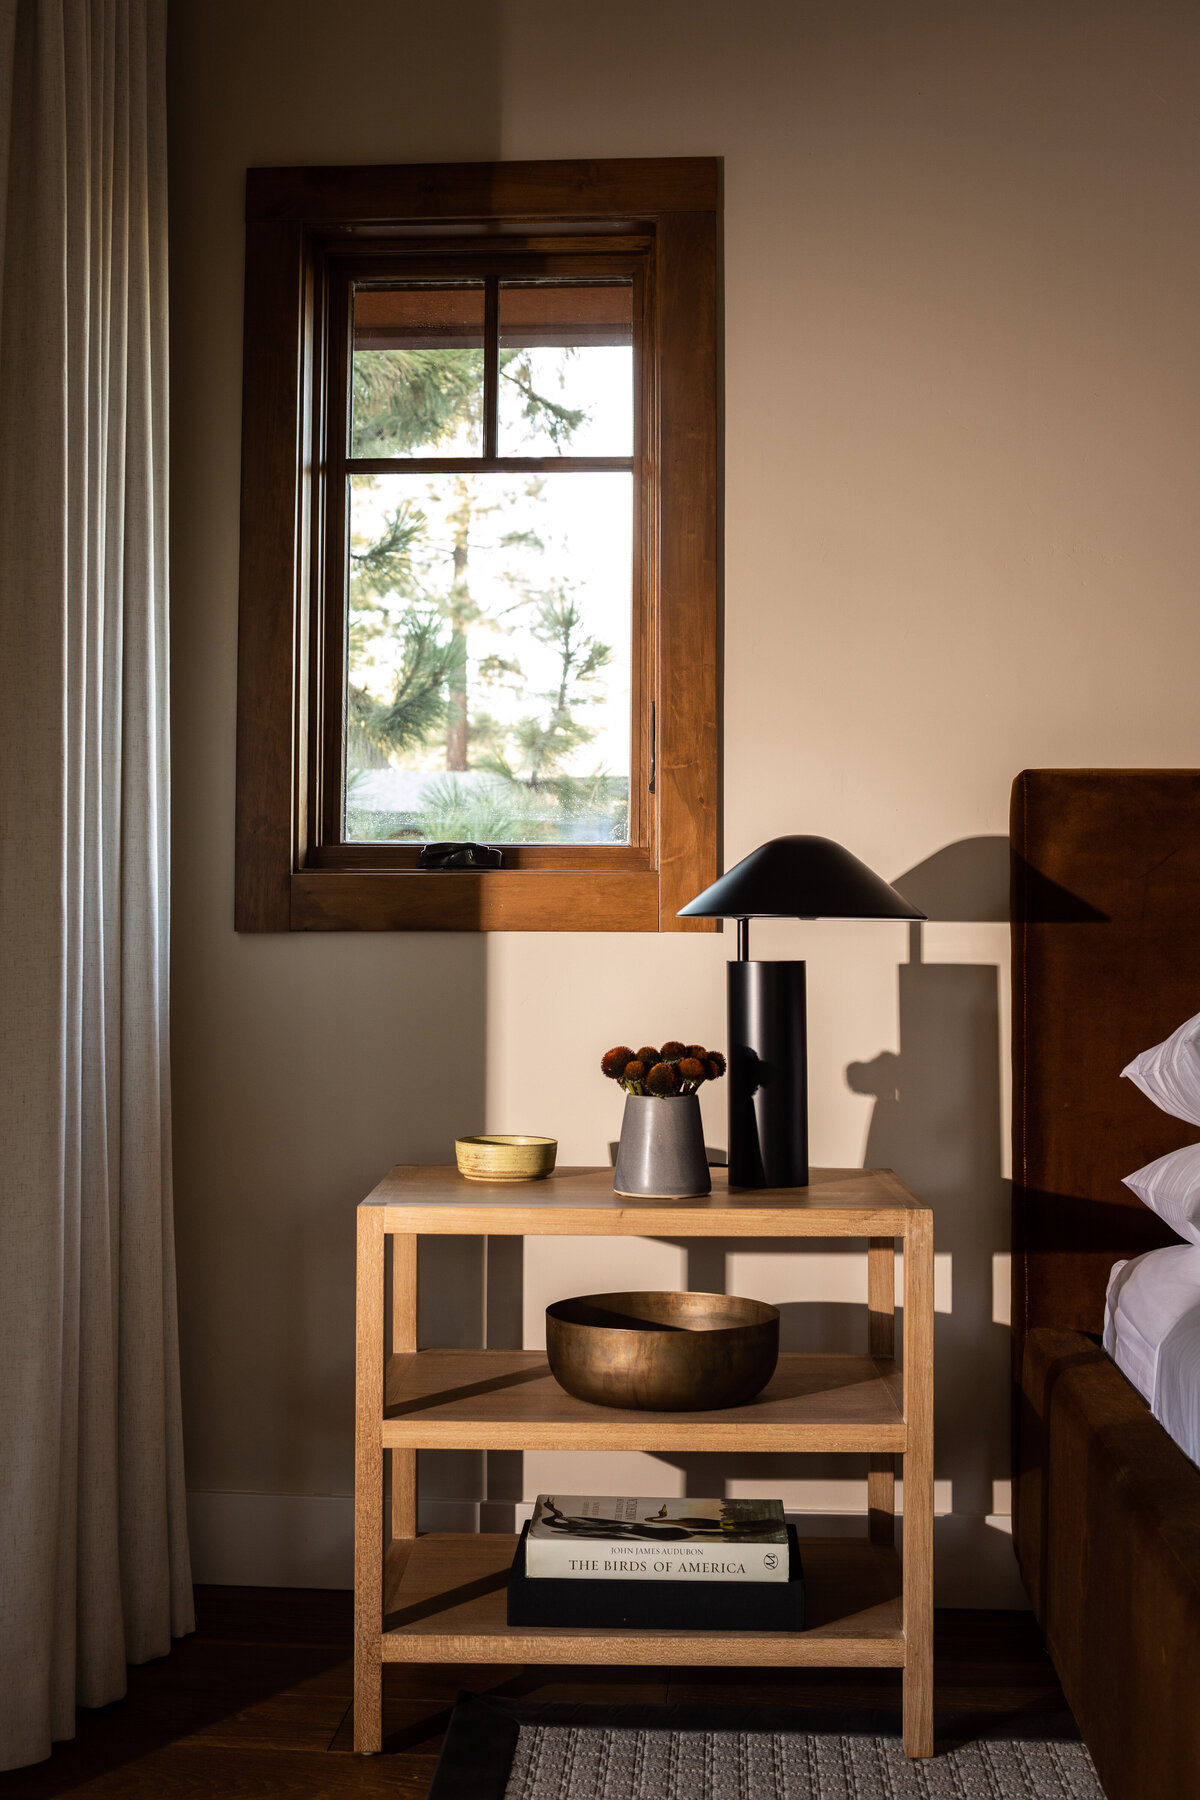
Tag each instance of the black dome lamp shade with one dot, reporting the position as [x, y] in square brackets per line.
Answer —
[787, 878]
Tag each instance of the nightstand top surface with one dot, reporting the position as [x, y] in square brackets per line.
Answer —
[580, 1201]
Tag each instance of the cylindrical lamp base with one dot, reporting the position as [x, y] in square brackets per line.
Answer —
[768, 1075]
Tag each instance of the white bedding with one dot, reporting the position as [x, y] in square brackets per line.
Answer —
[1152, 1333]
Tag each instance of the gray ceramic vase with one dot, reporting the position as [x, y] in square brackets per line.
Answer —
[661, 1153]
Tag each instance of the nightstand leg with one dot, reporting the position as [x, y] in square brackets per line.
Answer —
[918, 1488]
[881, 1501]
[368, 1486]
[404, 1342]
[881, 1343]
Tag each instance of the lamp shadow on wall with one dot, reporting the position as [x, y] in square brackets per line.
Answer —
[937, 1121]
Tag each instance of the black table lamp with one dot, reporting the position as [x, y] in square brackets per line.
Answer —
[789, 878]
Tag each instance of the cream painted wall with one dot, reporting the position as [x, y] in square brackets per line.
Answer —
[961, 284]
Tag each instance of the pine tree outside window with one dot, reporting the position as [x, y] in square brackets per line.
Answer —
[478, 590]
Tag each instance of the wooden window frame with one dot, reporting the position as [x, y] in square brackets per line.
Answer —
[659, 217]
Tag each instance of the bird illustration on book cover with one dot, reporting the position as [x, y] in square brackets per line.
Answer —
[673, 1521]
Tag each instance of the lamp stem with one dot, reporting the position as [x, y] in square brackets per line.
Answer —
[743, 940]
[768, 1075]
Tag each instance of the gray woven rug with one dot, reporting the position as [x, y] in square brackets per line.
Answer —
[553, 1762]
[502, 1748]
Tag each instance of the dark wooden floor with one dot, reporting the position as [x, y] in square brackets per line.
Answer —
[257, 1703]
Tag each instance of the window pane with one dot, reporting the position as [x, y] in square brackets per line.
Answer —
[417, 378]
[488, 658]
[566, 370]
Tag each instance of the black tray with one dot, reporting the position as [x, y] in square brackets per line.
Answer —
[679, 1605]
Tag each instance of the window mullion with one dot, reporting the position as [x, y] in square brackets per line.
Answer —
[485, 465]
[491, 365]
[326, 816]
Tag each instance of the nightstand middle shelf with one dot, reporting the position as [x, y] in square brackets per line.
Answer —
[508, 1400]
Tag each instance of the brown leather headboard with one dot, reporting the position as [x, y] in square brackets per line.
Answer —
[1106, 962]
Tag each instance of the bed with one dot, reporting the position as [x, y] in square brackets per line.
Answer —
[1106, 1508]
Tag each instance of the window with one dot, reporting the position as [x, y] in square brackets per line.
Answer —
[493, 618]
[479, 527]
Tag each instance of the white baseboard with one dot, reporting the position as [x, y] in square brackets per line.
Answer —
[272, 1540]
[974, 1563]
[307, 1540]
[292, 1540]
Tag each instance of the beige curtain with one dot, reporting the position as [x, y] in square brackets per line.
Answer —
[93, 1553]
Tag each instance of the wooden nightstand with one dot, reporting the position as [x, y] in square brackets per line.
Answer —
[441, 1597]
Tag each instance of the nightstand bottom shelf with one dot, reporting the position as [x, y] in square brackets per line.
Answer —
[445, 1601]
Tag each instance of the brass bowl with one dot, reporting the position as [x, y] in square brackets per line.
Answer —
[662, 1352]
[505, 1158]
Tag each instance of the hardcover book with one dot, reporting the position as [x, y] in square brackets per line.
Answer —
[667, 1605]
[587, 1538]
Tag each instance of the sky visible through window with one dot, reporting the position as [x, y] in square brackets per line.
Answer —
[488, 685]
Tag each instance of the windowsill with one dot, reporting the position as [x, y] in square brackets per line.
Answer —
[479, 900]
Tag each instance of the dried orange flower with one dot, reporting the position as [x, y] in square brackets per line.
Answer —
[612, 1063]
[673, 1050]
[662, 1080]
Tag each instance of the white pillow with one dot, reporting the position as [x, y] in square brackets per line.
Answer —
[1149, 1299]
[1170, 1073]
[1171, 1188]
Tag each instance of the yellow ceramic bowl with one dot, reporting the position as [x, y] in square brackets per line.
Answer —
[505, 1158]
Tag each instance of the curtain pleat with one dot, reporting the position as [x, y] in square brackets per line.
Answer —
[93, 1550]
